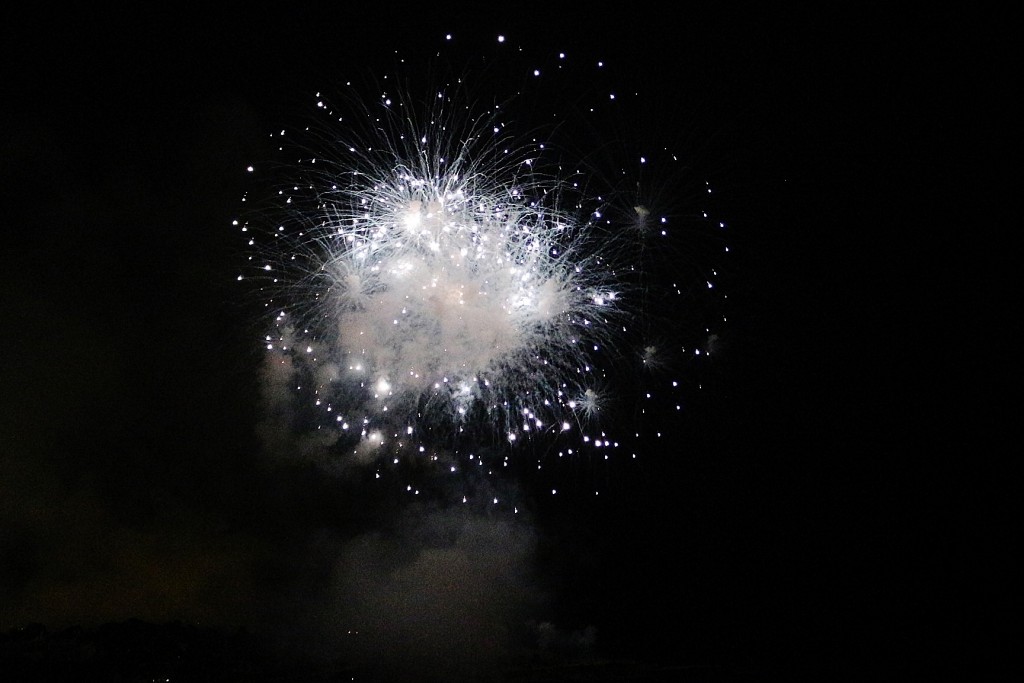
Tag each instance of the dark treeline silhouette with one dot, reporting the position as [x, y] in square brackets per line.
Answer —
[134, 651]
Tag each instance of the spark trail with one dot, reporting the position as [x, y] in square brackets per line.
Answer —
[444, 282]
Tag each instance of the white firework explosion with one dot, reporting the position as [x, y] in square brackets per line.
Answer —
[432, 274]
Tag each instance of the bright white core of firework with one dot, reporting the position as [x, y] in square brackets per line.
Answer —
[433, 273]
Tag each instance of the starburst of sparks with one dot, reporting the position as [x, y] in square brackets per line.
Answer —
[435, 279]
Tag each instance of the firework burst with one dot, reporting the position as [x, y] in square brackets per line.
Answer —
[442, 276]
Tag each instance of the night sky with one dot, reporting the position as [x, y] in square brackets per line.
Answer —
[811, 514]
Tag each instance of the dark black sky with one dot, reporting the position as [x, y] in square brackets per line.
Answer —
[815, 518]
